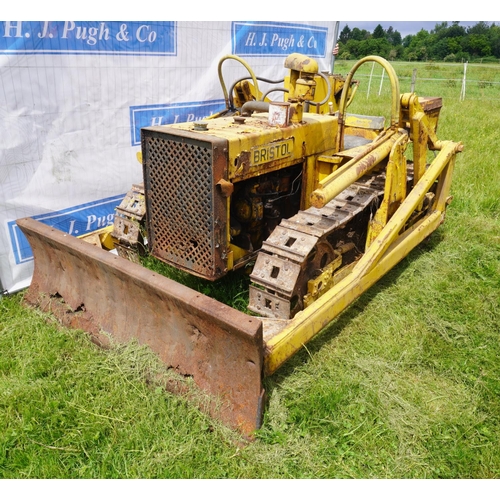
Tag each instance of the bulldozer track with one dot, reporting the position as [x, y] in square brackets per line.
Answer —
[311, 245]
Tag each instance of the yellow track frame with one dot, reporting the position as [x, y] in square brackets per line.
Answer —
[390, 247]
[393, 232]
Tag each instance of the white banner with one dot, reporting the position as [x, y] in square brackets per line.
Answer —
[74, 96]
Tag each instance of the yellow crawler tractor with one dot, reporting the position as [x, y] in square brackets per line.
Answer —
[318, 202]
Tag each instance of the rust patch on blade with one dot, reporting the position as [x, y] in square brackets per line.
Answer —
[221, 348]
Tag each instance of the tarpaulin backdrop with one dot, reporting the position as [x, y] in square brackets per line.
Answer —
[74, 96]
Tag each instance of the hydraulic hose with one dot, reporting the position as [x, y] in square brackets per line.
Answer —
[221, 78]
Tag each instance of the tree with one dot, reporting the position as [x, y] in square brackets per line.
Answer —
[417, 46]
[478, 45]
[374, 46]
[345, 34]
[393, 36]
[453, 45]
[359, 35]
[440, 29]
[447, 41]
[439, 50]
[407, 40]
[480, 28]
[456, 30]
[495, 40]
[379, 32]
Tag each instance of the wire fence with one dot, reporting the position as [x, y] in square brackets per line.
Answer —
[458, 81]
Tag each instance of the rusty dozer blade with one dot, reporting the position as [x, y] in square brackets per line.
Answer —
[219, 347]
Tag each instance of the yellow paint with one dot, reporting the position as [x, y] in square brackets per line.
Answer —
[315, 140]
[312, 320]
[100, 237]
[386, 251]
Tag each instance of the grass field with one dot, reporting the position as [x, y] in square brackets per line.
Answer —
[404, 384]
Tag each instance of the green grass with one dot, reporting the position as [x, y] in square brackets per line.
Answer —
[70, 409]
[432, 78]
[232, 289]
[404, 384]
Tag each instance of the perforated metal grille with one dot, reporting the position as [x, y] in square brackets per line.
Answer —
[178, 176]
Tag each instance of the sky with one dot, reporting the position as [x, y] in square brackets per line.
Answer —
[410, 18]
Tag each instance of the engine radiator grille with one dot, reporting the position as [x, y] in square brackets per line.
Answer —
[185, 211]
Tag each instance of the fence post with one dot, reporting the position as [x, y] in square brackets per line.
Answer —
[370, 81]
[413, 80]
[462, 92]
[381, 81]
